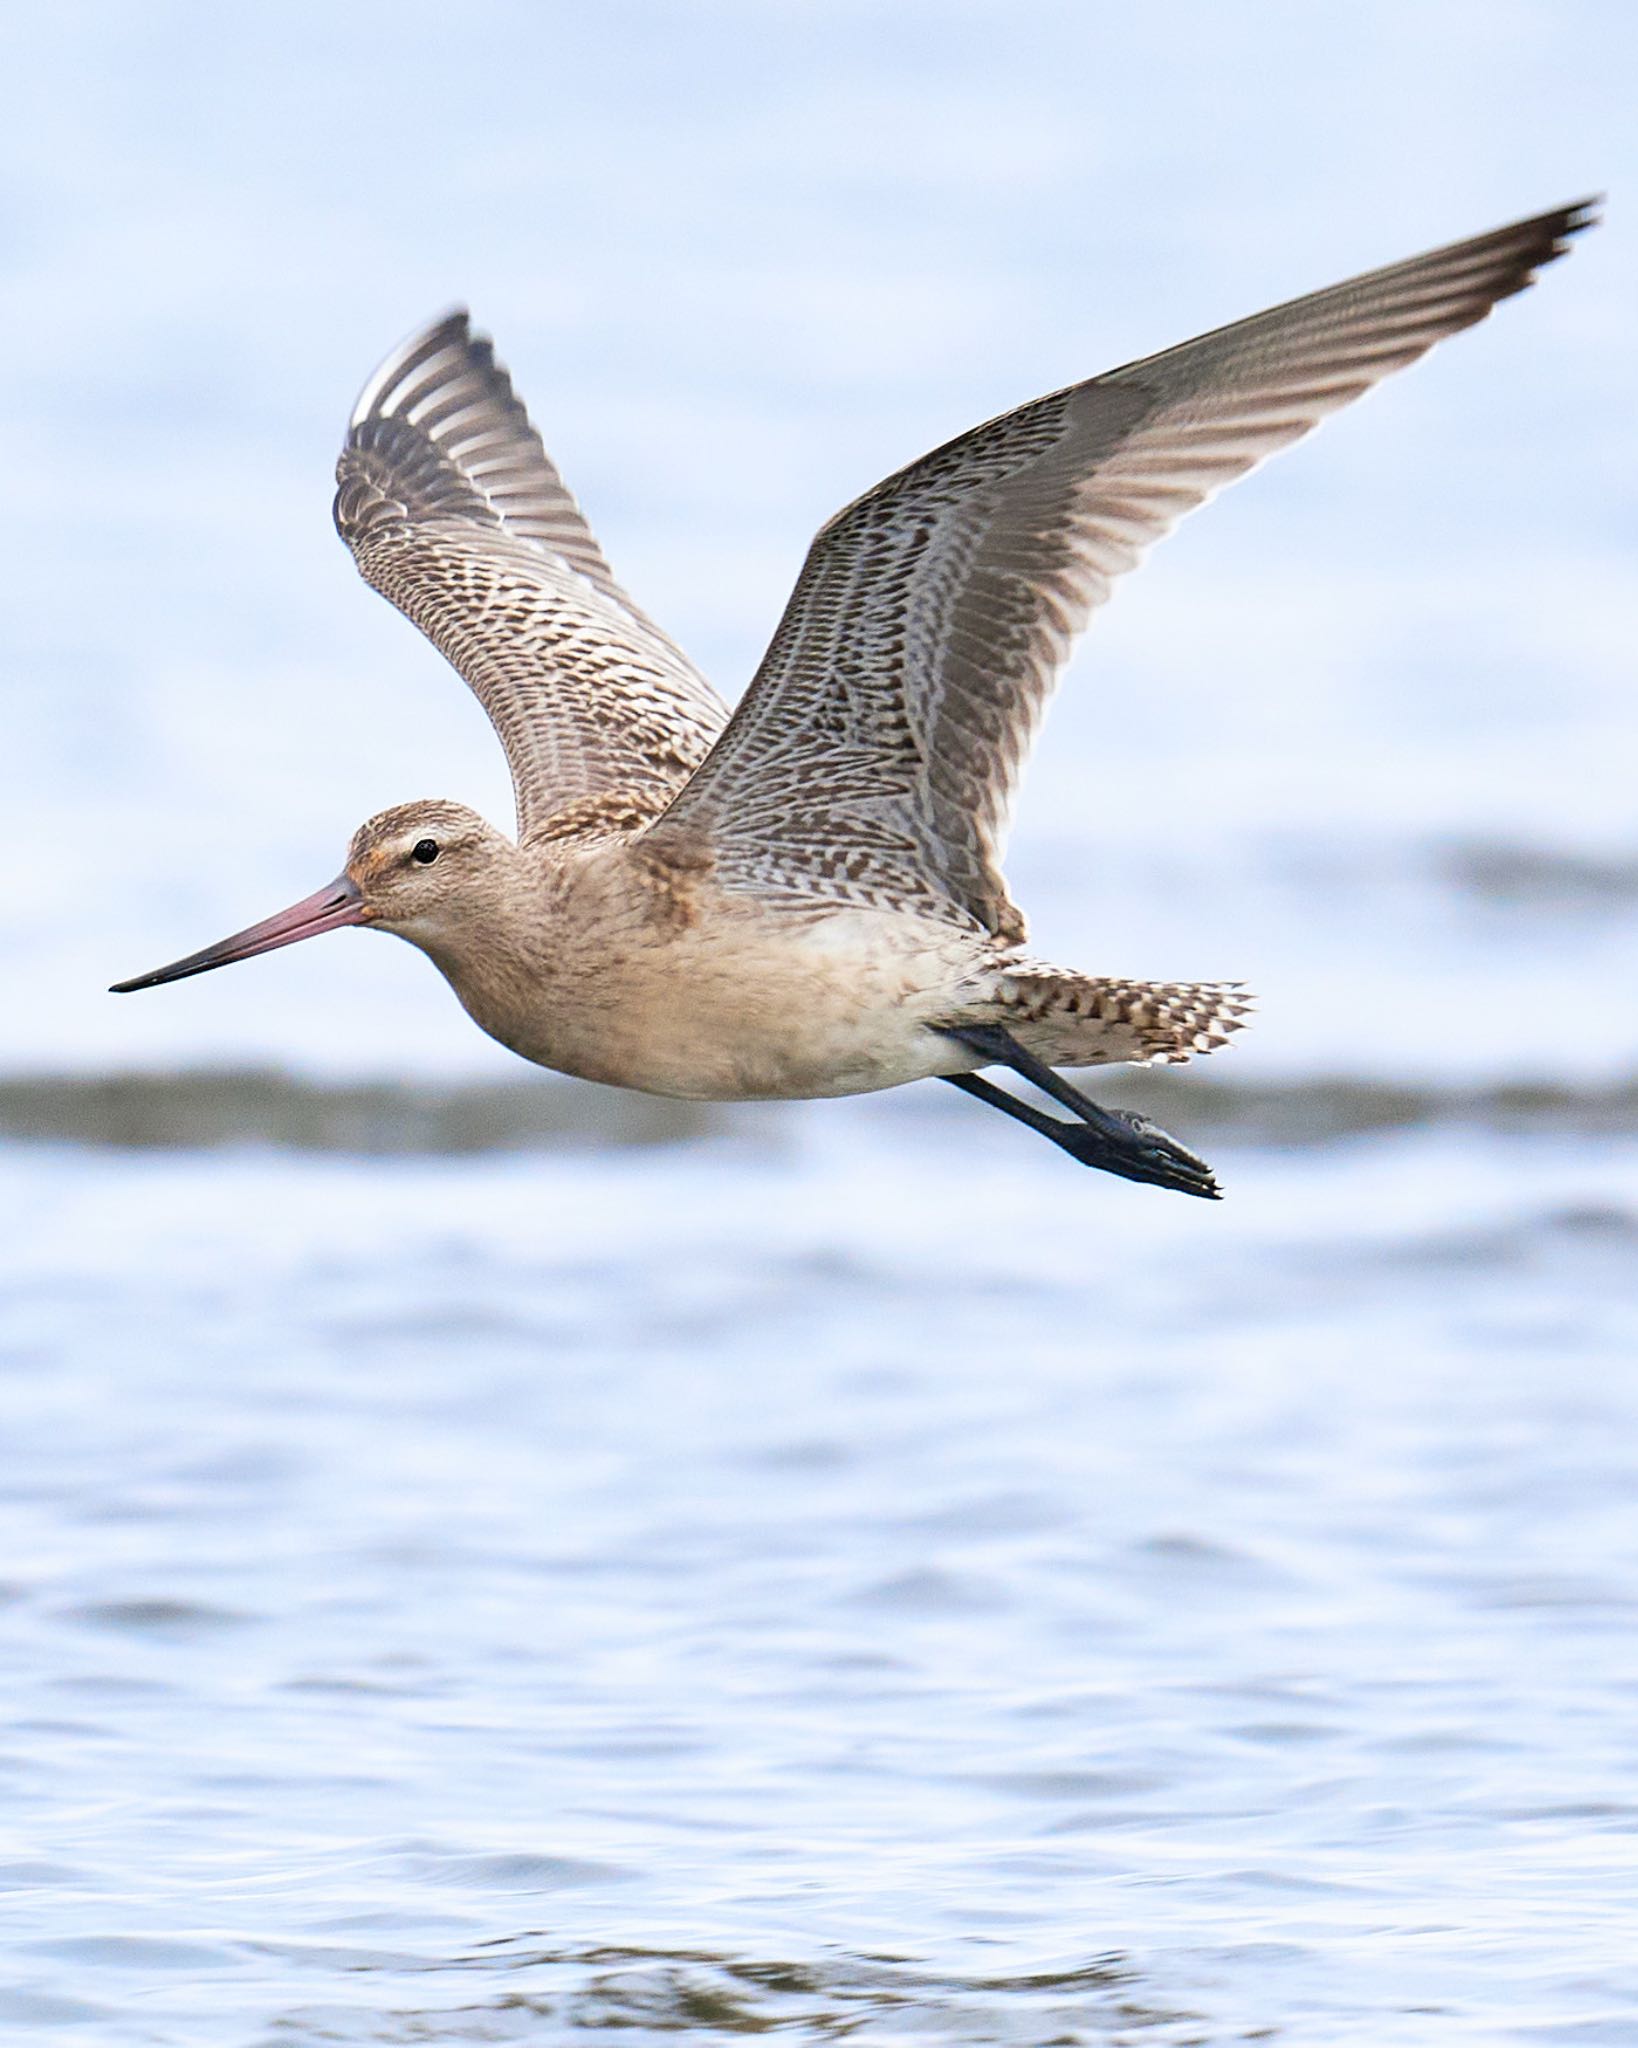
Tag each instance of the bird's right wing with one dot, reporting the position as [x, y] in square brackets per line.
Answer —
[453, 511]
[875, 756]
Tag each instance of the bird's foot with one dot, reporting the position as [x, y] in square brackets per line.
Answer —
[1120, 1142]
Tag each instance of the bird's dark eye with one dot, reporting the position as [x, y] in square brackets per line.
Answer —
[425, 851]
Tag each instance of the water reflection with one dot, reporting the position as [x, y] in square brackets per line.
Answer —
[644, 1992]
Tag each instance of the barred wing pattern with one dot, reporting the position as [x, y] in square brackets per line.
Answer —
[876, 754]
[453, 511]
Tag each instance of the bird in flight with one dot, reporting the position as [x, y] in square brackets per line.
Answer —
[805, 898]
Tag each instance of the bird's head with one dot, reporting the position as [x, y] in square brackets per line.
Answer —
[419, 870]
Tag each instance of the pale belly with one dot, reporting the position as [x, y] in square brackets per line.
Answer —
[742, 1010]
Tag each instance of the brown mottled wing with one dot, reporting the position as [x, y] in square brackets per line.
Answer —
[875, 756]
[453, 511]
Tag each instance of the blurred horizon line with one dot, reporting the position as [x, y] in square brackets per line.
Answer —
[210, 1107]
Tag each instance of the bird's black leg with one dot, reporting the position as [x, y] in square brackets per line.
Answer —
[1116, 1141]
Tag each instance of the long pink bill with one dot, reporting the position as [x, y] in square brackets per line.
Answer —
[337, 904]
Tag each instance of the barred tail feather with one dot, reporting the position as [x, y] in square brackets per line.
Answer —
[1081, 1020]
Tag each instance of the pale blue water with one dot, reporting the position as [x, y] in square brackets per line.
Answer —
[852, 1577]
[872, 1581]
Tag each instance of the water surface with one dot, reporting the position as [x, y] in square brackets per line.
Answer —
[855, 1579]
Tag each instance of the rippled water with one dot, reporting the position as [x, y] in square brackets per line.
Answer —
[863, 1579]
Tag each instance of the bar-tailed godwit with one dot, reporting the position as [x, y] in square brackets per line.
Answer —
[806, 898]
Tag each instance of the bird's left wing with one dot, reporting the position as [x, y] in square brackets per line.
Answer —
[875, 756]
[453, 511]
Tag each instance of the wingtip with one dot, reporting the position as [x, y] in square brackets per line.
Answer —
[453, 320]
[451, 328]
[1560, 225]
[1520, 251]
[1579, 215]
[1545, 237]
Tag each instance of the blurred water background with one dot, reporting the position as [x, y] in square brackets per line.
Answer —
[486, 1559]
